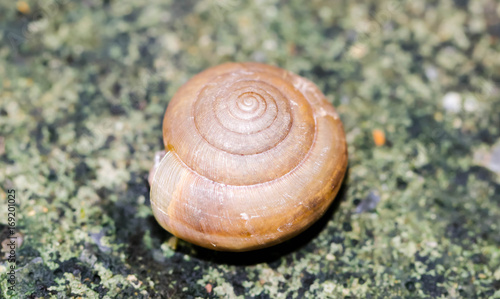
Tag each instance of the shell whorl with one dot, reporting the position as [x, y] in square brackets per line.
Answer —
[252, 151]
[255, 122]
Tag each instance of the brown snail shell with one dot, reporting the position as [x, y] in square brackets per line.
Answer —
[254, 156]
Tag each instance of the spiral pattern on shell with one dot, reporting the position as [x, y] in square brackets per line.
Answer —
[255, 154]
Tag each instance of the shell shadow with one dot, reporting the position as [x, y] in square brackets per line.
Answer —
[273, 253]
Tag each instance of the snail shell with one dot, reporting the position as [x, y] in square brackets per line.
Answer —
[254, 156]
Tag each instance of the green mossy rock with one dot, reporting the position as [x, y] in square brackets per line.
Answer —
[83, 89]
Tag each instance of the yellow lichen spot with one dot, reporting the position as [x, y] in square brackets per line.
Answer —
[45, 210]
[244, 22]
[23, 7]
[31, 213]
[438, 116]
[134, 281]
[345, 292]
[358, 51]
[172, 242]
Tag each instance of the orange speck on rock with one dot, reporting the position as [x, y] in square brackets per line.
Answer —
[208, 287]
[23, 7]
[378, 137]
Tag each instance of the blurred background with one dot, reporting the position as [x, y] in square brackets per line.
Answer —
[83, 89]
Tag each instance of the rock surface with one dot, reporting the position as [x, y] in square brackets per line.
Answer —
[83, 89]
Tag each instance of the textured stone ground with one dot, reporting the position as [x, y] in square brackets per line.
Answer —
[83, 88]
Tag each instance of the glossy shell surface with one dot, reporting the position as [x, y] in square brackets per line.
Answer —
[254, 155]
